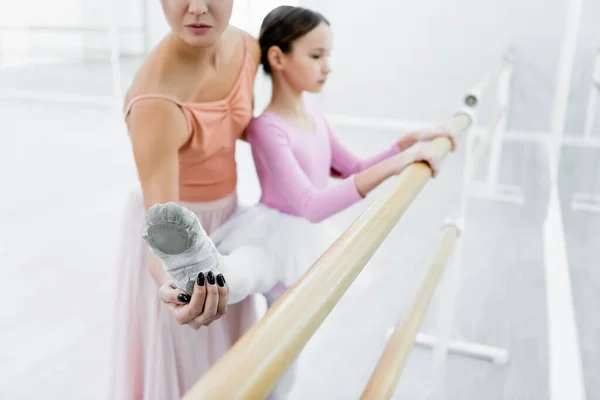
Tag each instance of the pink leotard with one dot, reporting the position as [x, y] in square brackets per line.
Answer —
[294, 166]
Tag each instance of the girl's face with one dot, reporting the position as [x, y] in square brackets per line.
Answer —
[306, 67]
[198, 22]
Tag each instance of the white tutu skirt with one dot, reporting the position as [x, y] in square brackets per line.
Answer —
[292, 243]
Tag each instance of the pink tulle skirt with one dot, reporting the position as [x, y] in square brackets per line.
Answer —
[154, 358]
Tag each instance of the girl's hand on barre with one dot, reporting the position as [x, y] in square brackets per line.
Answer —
[421, 151]
[207, 304]
[426, 135]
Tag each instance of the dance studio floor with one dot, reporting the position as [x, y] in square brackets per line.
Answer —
[65, 172]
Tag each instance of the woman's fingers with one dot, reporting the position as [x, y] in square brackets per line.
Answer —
[187, 312]
[223, 290]
[207, 304]
[169, 294]
[211, 303]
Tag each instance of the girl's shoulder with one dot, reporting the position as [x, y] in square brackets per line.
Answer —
[266, 119]
[268, 126]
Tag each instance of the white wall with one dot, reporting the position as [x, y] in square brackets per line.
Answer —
[32, 12]
[402, 59]
[126, 14]
[71, 13]
[157, 26]
[415, 59]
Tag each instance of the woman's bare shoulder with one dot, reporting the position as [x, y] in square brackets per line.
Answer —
[253, 45]
[254, 48]
[146, 79]
[159, 122]
[155, 114]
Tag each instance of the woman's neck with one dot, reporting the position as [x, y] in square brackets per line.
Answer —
[193, 54]
[286, 100]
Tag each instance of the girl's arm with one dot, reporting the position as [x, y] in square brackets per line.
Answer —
[345, 163]
[272, 147]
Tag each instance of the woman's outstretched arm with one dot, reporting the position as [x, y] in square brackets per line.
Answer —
[157, 129]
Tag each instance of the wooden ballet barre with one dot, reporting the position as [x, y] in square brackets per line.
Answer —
[389, 368]
[386, 374]
[473, 96]
[255, 363]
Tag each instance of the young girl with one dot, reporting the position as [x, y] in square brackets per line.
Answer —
[295, 152]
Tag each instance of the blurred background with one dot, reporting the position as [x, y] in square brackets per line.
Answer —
[528, 289]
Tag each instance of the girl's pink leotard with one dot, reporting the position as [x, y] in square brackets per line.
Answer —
[294, 166]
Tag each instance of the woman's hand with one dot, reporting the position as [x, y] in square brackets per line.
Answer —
[207, 304]
[421, 151]
[426, 135]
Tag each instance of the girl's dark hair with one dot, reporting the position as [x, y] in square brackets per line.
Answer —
[282, 26]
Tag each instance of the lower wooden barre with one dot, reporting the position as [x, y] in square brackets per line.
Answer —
[391, 363]
[386, 374]
[255, 363]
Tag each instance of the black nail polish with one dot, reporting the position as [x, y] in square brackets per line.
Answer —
[220, 280]
[184, 298]
[211, 278]
[200, 279]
